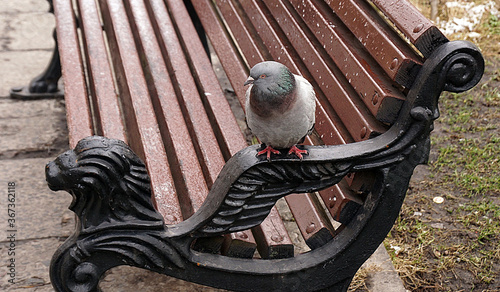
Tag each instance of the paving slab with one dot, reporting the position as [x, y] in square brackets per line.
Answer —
[31, 126]
[381, 275]
[27, 31]
[22, 6]
[31, 269]
[19, 67]
[119, 279]
[39, 212]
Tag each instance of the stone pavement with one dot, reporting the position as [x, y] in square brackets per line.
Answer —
[33, 133]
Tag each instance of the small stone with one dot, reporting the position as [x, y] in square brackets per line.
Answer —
[66, 218]
[438, 200]
[437, 225]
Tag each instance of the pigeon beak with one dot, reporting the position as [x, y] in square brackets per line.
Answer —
[250, 80]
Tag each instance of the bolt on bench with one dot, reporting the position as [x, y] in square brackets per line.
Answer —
[195, 202]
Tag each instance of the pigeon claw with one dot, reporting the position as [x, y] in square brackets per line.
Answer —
[268, 151]
[298, 152]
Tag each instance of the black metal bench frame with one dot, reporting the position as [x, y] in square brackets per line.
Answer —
[242, 196]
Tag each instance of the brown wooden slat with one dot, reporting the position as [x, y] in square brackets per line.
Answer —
[336, 199]
[248, 40]
[165, 30]
[228, 132]
[106, 107]
[77, 104]
[360, 71]
[420, 30]
[223, 46]
[240, 245]
[143, 131]
[190, 101]
[185, 167]
[273, 245]
[312, 225]
[393, 54]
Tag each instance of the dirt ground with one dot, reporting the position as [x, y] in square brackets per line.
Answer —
[447, 236]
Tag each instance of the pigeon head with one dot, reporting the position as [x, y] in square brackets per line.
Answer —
[271, 80]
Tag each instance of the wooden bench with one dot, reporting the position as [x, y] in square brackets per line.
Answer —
[196, 203]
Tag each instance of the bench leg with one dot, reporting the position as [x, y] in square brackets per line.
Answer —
[45, 84]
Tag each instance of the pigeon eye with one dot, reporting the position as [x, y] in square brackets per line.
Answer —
[262, 76]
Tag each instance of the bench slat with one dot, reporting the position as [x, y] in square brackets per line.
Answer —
[185, 167]
[354, 63]
[212, 155]
[420, 30]
[337, 197]
[106, 107]
[222, 45]
[393, 54]
[189, 99]
[77, 104]
[314, 226]
[142, 129]
[222, 118]
[248, 41]
[276, 244]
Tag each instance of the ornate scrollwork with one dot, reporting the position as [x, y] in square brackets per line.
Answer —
[251, 197]
[463, 70]
[105, 176]
[117, 221]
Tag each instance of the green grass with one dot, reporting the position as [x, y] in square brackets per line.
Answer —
[468, 157]
[471, 164]
[464, 169]
[482, 217]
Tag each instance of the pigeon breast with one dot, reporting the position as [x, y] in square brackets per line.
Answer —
[283, 121]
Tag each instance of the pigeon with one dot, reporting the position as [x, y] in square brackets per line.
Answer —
[280, 108]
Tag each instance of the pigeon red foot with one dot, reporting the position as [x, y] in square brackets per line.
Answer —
[298, 152]
[268, 151]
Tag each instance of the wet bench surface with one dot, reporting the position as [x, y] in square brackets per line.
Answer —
[151, 85]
